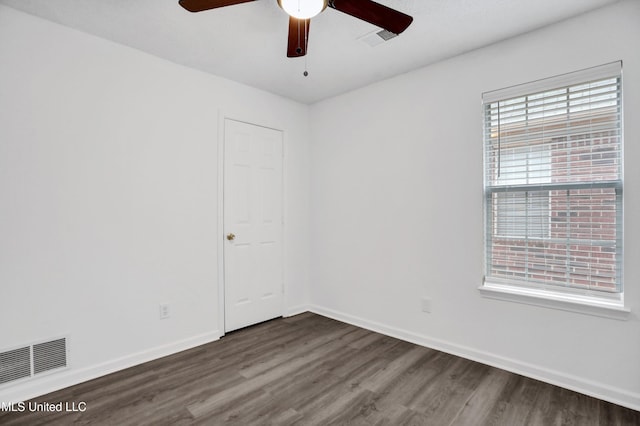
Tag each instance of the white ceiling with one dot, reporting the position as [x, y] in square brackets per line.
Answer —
[247, 42]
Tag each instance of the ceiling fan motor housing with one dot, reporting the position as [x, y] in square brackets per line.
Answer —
[303, 9]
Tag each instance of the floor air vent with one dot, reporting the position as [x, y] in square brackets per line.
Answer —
[15, 364]
[49, 356]
[32, 360]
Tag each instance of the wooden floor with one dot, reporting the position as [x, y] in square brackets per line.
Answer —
[311, 370]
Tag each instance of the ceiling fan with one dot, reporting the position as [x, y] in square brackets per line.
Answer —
[301, 11]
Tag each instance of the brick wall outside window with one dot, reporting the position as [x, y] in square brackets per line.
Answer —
[579, 248]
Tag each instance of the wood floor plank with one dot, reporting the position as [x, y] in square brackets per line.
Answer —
[312, 370]
[321, 344]
[364, 338]
[449, 382]
[376, 350]
[520, 397]
[612, 415]
[483, 405]
[391, 371]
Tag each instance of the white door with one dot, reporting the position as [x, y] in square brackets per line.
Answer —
[253, 264]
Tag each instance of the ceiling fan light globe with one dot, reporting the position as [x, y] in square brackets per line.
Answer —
[303, 9]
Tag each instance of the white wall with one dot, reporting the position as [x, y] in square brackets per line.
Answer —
[109, 197]
[108, 203]
[397, 210]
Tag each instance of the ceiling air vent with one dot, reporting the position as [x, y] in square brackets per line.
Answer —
[28, 361]
[377, 37]
[386, 35]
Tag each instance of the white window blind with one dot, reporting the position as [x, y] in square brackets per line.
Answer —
[553, 183]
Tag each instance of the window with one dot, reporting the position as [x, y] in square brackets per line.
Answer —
[519, 214]
[553, 186]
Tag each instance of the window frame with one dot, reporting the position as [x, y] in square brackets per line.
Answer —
[545, 294]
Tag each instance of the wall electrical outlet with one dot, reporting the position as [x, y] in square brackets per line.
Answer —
[164, 311]
[426, 305]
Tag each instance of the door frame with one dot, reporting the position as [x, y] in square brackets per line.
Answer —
[222, 117]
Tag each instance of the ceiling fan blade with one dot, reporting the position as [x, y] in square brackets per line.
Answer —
[200, 5]
[374, 13]
[298, 37]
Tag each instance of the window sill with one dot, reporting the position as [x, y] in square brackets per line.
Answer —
[547, 299]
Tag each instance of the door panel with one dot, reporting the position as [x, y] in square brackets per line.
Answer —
[253, 214]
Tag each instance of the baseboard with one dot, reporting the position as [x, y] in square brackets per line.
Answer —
[596, 390]
[37, 387]
[295, 310]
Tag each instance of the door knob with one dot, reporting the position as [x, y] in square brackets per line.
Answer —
[231, 237]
